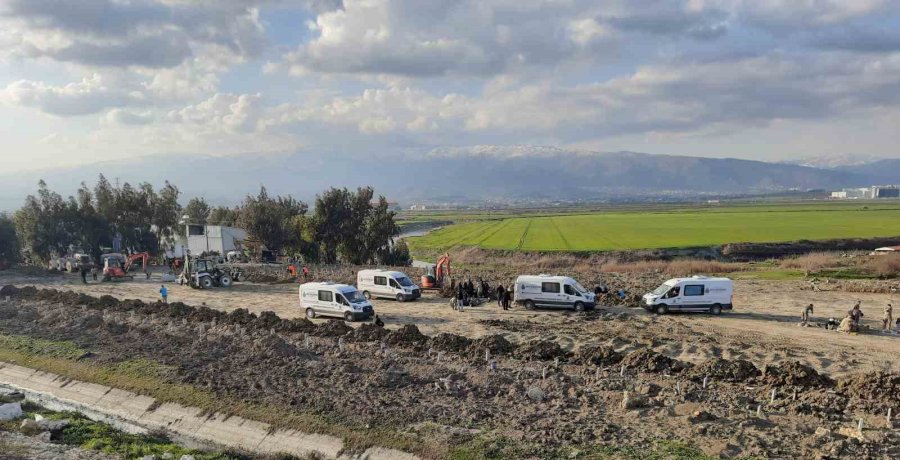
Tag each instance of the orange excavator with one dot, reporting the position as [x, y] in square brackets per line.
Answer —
[116, 266]
[438, 274]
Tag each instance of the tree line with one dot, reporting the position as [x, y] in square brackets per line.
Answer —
[343, 227]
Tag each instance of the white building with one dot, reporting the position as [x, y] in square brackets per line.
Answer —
[853, 193]
[208, 238]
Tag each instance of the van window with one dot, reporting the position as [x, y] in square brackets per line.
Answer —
[550, 287]
[342, 300]
[326, 296]
[693, 290]
[570, 290]
[381, 280]
[394, 284]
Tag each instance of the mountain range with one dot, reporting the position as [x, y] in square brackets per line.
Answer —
[472, 174]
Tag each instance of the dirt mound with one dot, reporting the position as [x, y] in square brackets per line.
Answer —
[872, 391]
[369, 333]
[273, 346]
[722, 369]
[241, 316]
[646, 360]
[408, 334]
[9, 290]
[333, 328]
[259, 278]
[541, 350]
[598, 355]
[450, 342]
[795, 374]
[495, 344]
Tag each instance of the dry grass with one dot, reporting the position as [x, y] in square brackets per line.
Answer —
[814, 261]
[675, 267]
[886, 266]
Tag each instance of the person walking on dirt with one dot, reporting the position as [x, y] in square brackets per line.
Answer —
[164, 293]
[506, 297]
[888, 316]
[500, 291]
[83, 274]
[804, 317]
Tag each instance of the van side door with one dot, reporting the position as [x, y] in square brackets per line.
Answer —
[381, 285]
[325, 305]
[694, 297]
[551, 296]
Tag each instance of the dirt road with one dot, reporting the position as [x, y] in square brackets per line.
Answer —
[763, 328]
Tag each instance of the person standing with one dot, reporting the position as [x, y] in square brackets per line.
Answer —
[83, 274]
[856, 314]
[887, 318]
[164, 293]
[500, 291]
[506, 298]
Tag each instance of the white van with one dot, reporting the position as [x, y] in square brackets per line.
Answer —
[387, 284]
[697, 293]
[552, 292]
[338, 300]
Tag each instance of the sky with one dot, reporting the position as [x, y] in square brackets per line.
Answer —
[84, 81]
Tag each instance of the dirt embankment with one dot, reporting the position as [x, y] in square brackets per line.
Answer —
[539, 394]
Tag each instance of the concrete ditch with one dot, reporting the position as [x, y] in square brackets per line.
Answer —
[190, 426]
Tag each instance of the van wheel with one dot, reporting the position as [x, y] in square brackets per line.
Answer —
[662, 309]
[529, 305]
[579, 306]
[310, 313]
[716, 309]
[400, 298]
[367, 295]
[348, 317]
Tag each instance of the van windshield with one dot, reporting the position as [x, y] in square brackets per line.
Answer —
[662, 289]
[580, 288]
[354, 296]
[404, 281]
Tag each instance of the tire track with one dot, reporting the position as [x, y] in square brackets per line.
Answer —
[562, 237]
[524, 236]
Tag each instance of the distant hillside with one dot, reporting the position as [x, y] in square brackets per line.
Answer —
[482, 173]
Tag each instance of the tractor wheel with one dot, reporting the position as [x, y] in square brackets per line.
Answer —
[225, 281]
[206, 282]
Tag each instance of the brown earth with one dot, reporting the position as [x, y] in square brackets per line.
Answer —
[557, 380]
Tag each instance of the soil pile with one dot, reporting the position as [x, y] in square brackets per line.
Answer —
[333, 328]
[722, 369]
[646, 360]
[541, 350]
[408, 334]
[494, 344]
[450, 342]
[368, 333]
[794, 373]
[875, 391]
[598, 355]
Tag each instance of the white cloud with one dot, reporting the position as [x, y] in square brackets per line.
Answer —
[90, 95]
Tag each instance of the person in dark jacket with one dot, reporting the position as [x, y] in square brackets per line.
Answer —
[506, 299]
[500, 291]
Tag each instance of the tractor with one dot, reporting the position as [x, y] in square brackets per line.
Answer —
[438, 275]
[203, 274]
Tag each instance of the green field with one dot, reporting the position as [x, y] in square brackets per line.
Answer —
[674, 228]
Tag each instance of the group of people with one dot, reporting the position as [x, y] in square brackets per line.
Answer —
[850, 322]
[467, 291]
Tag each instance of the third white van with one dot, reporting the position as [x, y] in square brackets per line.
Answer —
[697, 293]
[387, 284]
[552, 292]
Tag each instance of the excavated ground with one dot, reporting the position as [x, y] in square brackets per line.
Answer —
[620, 392]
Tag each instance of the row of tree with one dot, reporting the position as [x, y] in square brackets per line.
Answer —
[344, 226]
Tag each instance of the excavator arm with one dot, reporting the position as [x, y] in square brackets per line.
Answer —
[142, 256]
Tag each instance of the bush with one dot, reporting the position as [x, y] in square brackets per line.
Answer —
[885, 266]
[813, 261]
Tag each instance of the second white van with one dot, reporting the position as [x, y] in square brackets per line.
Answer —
[697, 293]
[337, 300]
[387, 284]
[552, 292]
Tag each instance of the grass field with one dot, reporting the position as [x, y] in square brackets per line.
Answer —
[675, 228]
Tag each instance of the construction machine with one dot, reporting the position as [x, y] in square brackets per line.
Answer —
[202, 273]
[437, 275]
[116, 266]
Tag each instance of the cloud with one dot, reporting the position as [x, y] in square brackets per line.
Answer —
[140, 33]
[90, 95]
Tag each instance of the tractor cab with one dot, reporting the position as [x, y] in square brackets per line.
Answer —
[114, 267]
